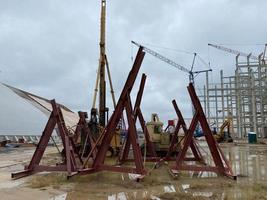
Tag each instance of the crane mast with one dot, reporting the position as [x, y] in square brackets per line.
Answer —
[100, 80]
[102, 64]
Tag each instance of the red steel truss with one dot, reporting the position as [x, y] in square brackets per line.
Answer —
[138, 114]
[124, 103]
[175, 140]
[222, 165]
[83, 132]
[69, 165]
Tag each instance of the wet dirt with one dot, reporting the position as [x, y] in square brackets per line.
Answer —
[249, 162]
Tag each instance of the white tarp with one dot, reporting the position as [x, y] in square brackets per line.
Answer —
[25, 114]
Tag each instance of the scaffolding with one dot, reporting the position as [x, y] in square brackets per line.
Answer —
[241, 97]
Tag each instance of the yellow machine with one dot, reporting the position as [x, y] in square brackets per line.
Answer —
[222, 135]
[99, 116]
[158, 136]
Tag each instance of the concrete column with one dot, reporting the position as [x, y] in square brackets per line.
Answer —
[222, 94]
[205, 100]
[208, 99]
[238, 104]
[253, 103]
[216, 107]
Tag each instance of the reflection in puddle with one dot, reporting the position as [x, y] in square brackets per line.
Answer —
[246, 161]
[202, 194]
[140, 195]
[118, 196]
[154, 197]
[169, 189]
[132, 195]
[60, 197]
[249, 163]
[185, 187]
[133, 176]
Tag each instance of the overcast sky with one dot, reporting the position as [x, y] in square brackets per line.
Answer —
[50, 48]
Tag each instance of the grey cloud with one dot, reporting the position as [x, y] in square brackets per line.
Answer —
[51, 47]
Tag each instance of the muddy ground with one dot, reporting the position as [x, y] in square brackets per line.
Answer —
[249, 163]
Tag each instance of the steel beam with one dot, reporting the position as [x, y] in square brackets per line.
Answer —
[69, 165]
[222, 165]
[124, 103]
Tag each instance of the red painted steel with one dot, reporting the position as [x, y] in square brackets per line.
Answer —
[83, 131]
[174, 141]
[138, 114]
[124, 103]
[222, 165]
[69, 165]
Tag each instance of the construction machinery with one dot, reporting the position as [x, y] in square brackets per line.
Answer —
[158, 136]
[192, 74]
[99, 116]
[233, 51]
[222, 135]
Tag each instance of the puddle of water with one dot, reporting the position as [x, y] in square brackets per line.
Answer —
[247, 161]
[133, 177]
[59, 197]
[203, 194]
[118, 196]
[185, 187]
[152, 197]
[169, 189]
[251, 163]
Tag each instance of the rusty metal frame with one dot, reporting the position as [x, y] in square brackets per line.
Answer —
[124, 103]
[222, 165]
[138, 115]
[83, 130]
[175, 140]
[69, 165]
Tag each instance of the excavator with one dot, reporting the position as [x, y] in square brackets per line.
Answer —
[222, 135]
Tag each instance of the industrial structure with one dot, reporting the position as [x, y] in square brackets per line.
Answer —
[241, 96]
[73, 162]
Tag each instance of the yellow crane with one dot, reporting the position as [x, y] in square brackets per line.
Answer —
[99, 117]
[100, 83]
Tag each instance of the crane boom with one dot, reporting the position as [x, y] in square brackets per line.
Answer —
[233, 51]
[163, 58]
[102, 62]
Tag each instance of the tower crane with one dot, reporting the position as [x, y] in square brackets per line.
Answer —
[232, 51]
[191, 73]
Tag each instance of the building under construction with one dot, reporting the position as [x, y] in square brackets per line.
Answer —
[240, 97]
